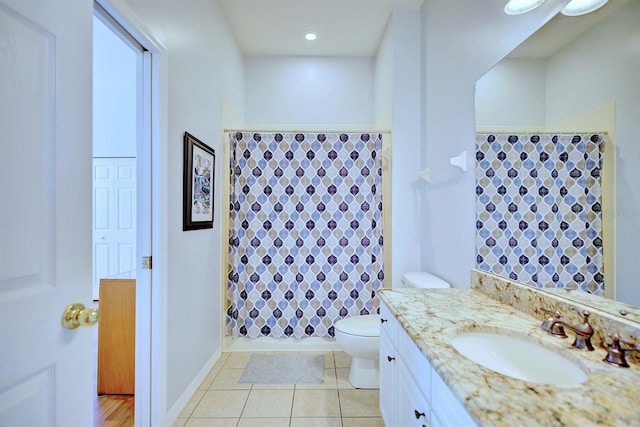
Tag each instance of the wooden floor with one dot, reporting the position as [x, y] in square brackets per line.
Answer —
[109, 410]
[113, 411]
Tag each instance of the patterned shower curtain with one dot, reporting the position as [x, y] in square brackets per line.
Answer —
[538, 208]
[305, 246]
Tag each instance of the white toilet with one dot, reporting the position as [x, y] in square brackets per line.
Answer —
[359, 336]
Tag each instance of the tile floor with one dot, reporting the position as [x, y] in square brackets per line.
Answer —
[221, 401]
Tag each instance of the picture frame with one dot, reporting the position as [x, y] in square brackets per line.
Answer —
[198, 184]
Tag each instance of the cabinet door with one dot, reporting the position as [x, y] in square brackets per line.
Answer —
[389, 325]
[447, 408]
[416, 363]
[413, 408]
[387, 379]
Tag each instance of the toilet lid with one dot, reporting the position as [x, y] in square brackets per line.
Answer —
[365, 326]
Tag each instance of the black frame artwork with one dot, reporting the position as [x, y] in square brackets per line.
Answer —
[198, 184]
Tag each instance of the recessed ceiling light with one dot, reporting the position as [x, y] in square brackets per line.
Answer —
[516, 7]
[310, 36]
[582, 7]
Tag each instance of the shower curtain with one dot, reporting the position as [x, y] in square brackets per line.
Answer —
[305, 246]
[538, 209]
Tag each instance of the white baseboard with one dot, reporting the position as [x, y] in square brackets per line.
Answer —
[181, 403]
[280, 344]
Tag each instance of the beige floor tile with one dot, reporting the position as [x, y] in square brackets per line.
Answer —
[218, 403]
[342, 376]
[214, 371]
[316, 422]
[227, 379]
[190, 406]
[268, 404]
[220, 362]
[360, 403]
[273, 386]
[342, 359]
[206, 383]
[180, 422]
[212, 422]
[237, 360]
[316, 403]
[328, 360]
[329, 382]
[362, 422]
[263, 422]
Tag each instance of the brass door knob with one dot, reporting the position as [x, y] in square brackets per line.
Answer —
[78, 315]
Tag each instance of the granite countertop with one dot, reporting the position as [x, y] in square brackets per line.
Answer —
[431, 317]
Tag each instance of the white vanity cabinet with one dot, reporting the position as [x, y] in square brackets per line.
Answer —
[388, 365]
[413, 407]
[411, 392]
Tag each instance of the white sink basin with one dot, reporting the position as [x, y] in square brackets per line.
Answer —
[518, 358]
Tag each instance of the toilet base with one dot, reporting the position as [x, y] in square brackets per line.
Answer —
[364, 373]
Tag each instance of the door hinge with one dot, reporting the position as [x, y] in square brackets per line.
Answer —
[146, 262]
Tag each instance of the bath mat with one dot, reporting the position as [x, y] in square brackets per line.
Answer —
[284, 369]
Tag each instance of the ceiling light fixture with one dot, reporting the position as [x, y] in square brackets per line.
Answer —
[582, 7]
[310, 36]
[517, 7]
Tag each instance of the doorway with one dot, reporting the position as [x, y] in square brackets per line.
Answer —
[120, 212]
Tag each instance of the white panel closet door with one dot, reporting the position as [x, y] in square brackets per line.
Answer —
[45, 211]
[114, 218]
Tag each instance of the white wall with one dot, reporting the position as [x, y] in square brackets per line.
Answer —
[309, 91]
[462, 40]
[383, 79]
[398, 103]
[204, 68]
[512, 94]
[601, 66]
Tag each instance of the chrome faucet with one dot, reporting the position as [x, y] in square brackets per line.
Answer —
[583, 331]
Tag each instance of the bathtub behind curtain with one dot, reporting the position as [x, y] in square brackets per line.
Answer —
[306, 232]
[538, 209]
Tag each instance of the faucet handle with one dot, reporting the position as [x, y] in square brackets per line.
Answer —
[584, 332]
[615, 353]
[552, 326]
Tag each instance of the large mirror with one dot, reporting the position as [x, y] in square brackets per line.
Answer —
[582, 74]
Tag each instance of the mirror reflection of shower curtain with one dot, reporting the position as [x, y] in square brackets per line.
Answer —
[538, 209]
[305, 245]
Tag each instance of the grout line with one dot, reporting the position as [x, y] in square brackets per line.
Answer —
[245, 403]
[335, 372]
[293, 399]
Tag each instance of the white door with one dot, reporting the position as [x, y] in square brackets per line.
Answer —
[45, 211]
[114, 218]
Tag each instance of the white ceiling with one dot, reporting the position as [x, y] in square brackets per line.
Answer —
[344, 27]
[560, 31]
[355, 27]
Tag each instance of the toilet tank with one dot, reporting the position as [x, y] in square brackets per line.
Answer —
[423, 280]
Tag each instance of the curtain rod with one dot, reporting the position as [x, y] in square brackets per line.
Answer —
[482, 132]
[308, 131]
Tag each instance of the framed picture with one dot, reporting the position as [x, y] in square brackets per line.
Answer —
[199, 173]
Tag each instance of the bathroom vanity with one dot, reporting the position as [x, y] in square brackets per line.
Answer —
[411, 392]
[425, 381]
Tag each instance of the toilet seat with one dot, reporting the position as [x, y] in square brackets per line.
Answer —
[362, 326]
